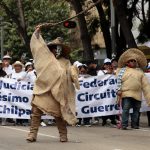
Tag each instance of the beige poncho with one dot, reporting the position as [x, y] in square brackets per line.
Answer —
[54, 91]
[134, 82]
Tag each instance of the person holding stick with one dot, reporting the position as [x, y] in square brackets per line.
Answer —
[54, 89]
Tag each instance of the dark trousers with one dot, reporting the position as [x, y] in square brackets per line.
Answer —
[148, 117]
[138, 121]
[111, 117]
[127, 103]
[86, 121]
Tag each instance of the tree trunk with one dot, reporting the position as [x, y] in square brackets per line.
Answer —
[120, 41]
[105, 29]
[122, 18]
[23, 29]
[21, 14]
[85, 37]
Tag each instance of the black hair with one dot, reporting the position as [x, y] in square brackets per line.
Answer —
[83, 66]
[52, 47]
[107, 63]
[114, 59]
[26, 68]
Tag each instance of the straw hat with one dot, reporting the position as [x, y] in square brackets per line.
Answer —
[59, 41]
[18, 63]
[132, 53]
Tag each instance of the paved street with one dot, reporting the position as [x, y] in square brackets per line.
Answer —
[80, 138]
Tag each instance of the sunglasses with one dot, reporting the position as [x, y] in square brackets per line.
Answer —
[132, 60]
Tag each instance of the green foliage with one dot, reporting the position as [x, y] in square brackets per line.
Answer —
[77, 55]
[35, 12]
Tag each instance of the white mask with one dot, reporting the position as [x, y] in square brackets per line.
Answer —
[58, 50]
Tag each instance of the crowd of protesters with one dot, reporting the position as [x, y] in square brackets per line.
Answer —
[26, 72]
[108, 67]
[20, 72]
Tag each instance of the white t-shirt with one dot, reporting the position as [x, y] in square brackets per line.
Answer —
[9, 70]
[31, 76]
[21, 75]
[101, 72]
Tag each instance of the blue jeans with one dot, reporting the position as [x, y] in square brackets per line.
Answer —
[127, 103]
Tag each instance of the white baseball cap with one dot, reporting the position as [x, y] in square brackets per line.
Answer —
[28, 63]
[107, 60]
[77, 64]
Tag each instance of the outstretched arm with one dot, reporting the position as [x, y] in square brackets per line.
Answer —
[37, 31]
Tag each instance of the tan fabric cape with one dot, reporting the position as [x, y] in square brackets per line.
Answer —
[54, 92]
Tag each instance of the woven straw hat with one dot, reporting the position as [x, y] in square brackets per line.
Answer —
[18, 63]
[132, 53]
[59, 41]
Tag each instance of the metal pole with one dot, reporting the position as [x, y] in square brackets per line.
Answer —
[2, 42]
[113, 35]
[2, 37]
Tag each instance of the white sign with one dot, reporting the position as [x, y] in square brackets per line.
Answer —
[97, 96]
[15, 98]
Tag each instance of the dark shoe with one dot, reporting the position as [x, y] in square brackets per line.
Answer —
[114, 122]
[124, 128]
[104, 123]
[135, 127]
[78, 125]
[30, 139]
[63, 139]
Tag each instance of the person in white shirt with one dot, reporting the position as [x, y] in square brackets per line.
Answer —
[107, 68]
[18, 73]
[7, 67]
[114, 63]
[83, 69]
[31, 73]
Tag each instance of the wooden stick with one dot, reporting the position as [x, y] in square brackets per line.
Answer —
[52, 24]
